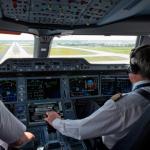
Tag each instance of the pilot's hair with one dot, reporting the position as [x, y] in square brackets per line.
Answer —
[140, 61]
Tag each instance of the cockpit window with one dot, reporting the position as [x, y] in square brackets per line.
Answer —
[16, 46]
[95, 49]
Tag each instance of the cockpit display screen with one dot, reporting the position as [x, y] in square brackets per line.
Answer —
[111, 85]
[83, 86]
[8, 90]
[42, 89]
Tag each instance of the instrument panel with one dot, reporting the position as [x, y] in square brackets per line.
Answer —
[29, 89]
[49, 88]
[30, 97]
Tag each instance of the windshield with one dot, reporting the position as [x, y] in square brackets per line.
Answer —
[95, 49]
[16, 46]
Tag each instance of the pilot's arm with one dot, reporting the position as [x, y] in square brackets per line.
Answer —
[106, 120]
[12, 131]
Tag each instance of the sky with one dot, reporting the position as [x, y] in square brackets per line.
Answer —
[25, 36]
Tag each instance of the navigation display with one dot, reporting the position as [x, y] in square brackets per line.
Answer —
[40, 89]
[83, 86]
[8, 90]
[111, 85]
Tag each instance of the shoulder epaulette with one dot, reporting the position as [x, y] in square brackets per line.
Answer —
[116, 97]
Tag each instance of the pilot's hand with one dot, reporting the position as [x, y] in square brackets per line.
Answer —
[24, 139]
[51, 116]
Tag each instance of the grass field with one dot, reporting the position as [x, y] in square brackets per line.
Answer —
[67, 51]
[58, 51]
[104, 58]
[120, 50]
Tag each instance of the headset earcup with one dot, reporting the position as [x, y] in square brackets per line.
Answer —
[134, 68]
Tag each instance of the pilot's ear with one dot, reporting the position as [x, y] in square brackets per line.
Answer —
[132, 77]
[135, 77]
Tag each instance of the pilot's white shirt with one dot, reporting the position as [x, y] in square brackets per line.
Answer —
[112, 121]
[11, 129]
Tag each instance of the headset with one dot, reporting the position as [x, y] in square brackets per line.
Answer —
[134, 68]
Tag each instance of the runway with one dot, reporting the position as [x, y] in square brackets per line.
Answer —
[15, 51]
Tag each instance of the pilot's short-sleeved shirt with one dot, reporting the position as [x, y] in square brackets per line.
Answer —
[10, 127]
[112, 121]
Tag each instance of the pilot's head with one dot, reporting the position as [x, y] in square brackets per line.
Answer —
[140, 64]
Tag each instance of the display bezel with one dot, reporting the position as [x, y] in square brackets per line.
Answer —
[111, 76]
[11, 79]
[43, 78]
[84, 76]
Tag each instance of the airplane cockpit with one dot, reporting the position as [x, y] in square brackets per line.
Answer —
[38, 81]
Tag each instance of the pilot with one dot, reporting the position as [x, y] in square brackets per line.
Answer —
[12, 131]
[115, 118]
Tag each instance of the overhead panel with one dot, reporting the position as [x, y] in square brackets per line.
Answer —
[17, 10]
[57, 12]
